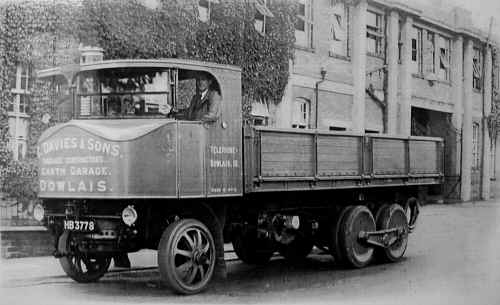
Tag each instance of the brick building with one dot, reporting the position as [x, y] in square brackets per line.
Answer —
[386, 67]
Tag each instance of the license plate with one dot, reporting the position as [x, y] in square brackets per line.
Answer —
[79, 225]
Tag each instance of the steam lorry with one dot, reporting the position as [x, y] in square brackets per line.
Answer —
[124, 174]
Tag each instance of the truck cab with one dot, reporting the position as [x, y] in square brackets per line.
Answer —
[130, 136]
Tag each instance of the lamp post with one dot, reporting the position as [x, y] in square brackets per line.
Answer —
[323, 76]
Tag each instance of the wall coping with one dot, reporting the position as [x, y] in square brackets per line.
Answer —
[21, 228]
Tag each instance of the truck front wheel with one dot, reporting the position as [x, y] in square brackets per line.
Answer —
[186, 256]
[81, 267]
[84, 269]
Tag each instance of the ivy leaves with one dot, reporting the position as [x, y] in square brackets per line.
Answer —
[48, 33]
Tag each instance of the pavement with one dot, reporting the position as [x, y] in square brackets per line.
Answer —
[453, 257]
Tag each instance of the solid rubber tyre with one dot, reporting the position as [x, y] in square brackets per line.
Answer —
[391, 217]
[335, 247]
[186, 256]
[357, 253]
[84, 268]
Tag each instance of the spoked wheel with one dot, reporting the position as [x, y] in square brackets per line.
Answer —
[249, 248]
[356, 253]
[393, 217]
[84, 268]
[335, 247]
[186, 256]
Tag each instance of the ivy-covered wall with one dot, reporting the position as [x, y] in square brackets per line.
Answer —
[44, 34]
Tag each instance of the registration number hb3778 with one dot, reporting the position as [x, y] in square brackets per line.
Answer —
[79, 225]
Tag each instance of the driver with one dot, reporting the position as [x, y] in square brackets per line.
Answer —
[205, 104]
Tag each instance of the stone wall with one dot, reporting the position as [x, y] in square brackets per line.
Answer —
[25, 241]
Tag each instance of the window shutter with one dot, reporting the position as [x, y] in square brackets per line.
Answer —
[338, 28]
[262, 8]
[444, 60]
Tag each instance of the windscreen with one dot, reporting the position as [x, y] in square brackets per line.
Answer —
[127, 92]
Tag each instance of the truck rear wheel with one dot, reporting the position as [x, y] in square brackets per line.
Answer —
[249, 248]
[335, 246]
[392, 217]
[186, 256]
[357, 219]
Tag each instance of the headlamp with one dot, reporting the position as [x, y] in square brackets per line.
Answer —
[129, 215]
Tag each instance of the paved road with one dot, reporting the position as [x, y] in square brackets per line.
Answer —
[452, 258]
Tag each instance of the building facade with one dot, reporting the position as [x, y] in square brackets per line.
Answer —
[375, 67]
[386, 67]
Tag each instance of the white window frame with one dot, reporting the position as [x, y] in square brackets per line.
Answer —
[305, 37]
[375, 32]
[262, 12]
[301, 113]
[205, 17]
[416, 50]
[21, 90]
[476, 162]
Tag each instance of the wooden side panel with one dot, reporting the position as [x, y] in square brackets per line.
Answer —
[389, 156]
[339, 155]
[424, 157]
[191, 139]
[295, 160]
[287, 154]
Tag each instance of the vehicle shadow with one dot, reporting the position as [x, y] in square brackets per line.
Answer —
[242, 280]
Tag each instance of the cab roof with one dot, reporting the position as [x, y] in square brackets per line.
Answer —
[69, 71]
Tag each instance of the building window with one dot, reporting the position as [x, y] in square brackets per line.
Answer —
[12, 103]
[20, 82]
[430, 53]
[416, 50]
[336, 128]
[444, 58]
[477, 65]
[476, 162]
[24, 103]
[339, 29]
[21, 150]
[304, 24]
[301, 115]
[496, 78]
[205, 9]
[374, 34]
[261, 13]
[493, 160]
[24, 77]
